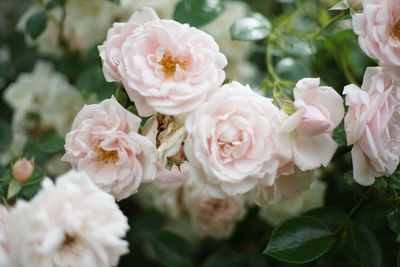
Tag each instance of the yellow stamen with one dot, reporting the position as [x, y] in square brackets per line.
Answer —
[169, 63]
[106, 156]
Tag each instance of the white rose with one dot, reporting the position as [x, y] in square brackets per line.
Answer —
[69, 223]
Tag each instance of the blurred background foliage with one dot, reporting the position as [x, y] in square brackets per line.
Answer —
[297, 41]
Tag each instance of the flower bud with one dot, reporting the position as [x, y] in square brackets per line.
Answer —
[355, 4]
[22, 170]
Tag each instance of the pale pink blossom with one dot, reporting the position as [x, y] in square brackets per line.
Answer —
[22, 170]
[110, 50]
[372, 124]
[210, 216]
[170, 68]
[104, 142]
[319, 110]
[69, 223]
[378, 30]
[233, 141]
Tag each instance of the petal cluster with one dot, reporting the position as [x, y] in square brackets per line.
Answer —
[372, 124]
[69, 223]
[105, 143]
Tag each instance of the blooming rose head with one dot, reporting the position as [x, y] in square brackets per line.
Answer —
[110, 51]
[378, 30]
[170, 68]
[233, 141]
[372, 125]
[215, 217]
[70, 223]
[319, 110]
[22, 170]
[104, 142]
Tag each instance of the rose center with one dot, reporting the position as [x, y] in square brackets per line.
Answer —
[169, 64]
[396, 30]
[69, 241]
[106, 156]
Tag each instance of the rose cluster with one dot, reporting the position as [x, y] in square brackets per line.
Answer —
[372, 123]
[225, 140]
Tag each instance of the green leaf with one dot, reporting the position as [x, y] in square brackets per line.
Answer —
[253, 28]
[291, 69]
[343, 5]
[146, 225]
[394, 181]
[393, 218]
[171, 249]
[13, 188]
[5, 135]
[33, 185]
[121, 96]
[197, 12]
[339, 135]
[55, 3]
[91, 80]
[299, 240]
[367, 246]
[115, 1]
[333, 217]
[36, 24]
[230, 258]
[380, 185]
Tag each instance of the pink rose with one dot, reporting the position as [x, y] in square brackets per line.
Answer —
[104, 142]
[233, 141]
[216, 217]
[110, 51]
[372, 125]
[170, 68]
[22, 170]
[378, 30]
[319, 111]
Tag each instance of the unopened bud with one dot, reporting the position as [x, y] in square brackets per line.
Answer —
[22, 170]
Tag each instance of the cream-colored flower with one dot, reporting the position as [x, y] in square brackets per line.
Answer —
[69, 223]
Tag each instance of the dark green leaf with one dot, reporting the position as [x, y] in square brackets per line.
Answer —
[394, 181]
[114, 1]
[197, 12]
[380, 185]
[230, 258]
[32, 186]
[398, 259]
[299, 240]
[253, 28]
[91, 80]
[55, 3]
[367, 246]
[333, 217]
[171, 249]
[51, 143]
[339, 135]
[5, 135]
[36, 24]
[393, 218]
[146, 225]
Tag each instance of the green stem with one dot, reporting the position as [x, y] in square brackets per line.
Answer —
[329, 24]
